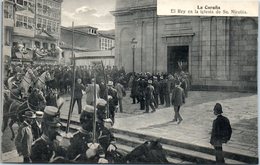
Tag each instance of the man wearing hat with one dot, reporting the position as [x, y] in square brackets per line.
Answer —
[83, 138]
[178, 99]
[37, 125]
[112, 100]
[161, 92]
[149, 97]
[47, 146]
[156, 91]
[24, 139]
[221, 133]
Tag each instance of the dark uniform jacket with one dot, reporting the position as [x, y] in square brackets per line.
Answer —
[106, 138]
[36, 130]
[79, 146]
[43, 149]
[221, 131]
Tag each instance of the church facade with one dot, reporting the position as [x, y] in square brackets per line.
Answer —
[218, 52]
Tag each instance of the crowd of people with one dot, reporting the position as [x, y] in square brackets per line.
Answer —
[37, 135]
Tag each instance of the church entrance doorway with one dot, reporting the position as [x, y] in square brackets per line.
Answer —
[177, 59]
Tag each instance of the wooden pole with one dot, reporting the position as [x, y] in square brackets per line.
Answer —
[95, 110]
[73, 83]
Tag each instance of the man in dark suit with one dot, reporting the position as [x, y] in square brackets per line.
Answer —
[78, 94]
[178, 99]
[37, 125]
[221, 133]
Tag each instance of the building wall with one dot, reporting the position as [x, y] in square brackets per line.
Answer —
[106, 43]
[81, 40]
[222, 50]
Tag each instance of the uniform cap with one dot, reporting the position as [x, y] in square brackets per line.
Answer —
[109, 97]
[51, 110]
[89, 109]
[101, 102]
[39, 114]
[150, 81]
[155, 78]
[161, 77]
[110, 83]
[29, 114]
[108, 120]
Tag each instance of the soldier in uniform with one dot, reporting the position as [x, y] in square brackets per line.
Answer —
[47, 147]
[81, 147]
[156, 91]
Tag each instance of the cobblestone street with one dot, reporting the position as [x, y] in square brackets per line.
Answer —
[240, 108]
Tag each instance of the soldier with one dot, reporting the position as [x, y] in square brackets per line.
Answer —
[24, 139]
[47, 147]
[142, 86]
[107, 140]
[81, 146]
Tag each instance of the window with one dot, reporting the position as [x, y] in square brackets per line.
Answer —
[37, 44]
[8, 11]
[39, 23]
[53, 28]
[30, 23]
[19, 21]
[25, 22]
[53, 46]
[49, 26]
[20, 2]
[58, 27]
[44, 24]
[45, 45]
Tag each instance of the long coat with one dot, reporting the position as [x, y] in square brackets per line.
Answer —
[90, 93]
[78, 90]
[221, 126]
[24, 139]
[178, 96]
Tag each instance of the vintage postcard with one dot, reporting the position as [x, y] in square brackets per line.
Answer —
[129, 81]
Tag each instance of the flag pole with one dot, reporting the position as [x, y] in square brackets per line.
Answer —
[73, 83]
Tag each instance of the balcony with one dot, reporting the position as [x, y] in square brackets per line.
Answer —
[8, 22]
[20, 31]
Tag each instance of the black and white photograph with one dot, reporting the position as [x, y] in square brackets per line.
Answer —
[115, 81]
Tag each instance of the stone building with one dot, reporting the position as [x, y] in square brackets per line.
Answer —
[32, 25]
[218, 52]
[85, 39]
[106, 41]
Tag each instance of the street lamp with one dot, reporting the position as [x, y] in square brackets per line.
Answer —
[133, 43]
